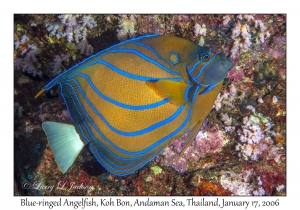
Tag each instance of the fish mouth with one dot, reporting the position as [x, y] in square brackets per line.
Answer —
[218, 70]
[214, 73]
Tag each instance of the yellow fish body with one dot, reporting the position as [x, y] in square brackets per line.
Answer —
[129, 101]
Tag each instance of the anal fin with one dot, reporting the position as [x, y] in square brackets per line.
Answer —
[191, 136]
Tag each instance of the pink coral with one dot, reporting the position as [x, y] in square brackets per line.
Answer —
[126, 27]
[199, 30]
[277, 53]
[54, 111]
[73, 27]
[236, 30]
[206, 142]
[149, 24]
[181, 20]
[235, 49]
[235, 75]
[29, 63]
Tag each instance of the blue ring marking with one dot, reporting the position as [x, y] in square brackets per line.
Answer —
[135, 133]
[133, 76]
[209, 88]
[202, 68]
[117, 103]
[118, 148]
[151, 49]
[187, 93]
[195, 94]
[54, 81]
[177, 56]
[145, 58]
[204, 54]
[160, 141]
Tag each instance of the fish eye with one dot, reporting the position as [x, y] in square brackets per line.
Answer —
[204, 57]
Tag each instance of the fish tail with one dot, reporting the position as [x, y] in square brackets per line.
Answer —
[64, 142]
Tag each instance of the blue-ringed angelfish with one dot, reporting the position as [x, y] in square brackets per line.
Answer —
[129, 101]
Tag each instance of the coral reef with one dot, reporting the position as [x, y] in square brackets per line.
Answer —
[241, 147]
[206, 142]
[73, 27]
[127, 25]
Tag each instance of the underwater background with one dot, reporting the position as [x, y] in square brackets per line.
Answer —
[241, 148]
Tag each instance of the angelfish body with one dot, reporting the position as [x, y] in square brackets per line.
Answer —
[129, 101]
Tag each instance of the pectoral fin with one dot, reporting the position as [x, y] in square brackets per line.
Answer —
[174, 91]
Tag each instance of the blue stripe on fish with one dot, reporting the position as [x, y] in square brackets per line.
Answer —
[80, 129]
[195, 94]
[117, 157]
[133, 76]
[90, 133]
[186, 94]
[82, 133]
[156, 144]
[203, 67]
[145, 58]
[61, 92]
[210, 87]
[105, 160]
[118, 148]
[151, 49]
[194, 66]
[136, 133]
[126, 106]
[104, 52]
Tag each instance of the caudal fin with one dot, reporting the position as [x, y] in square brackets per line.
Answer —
[64, 142]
